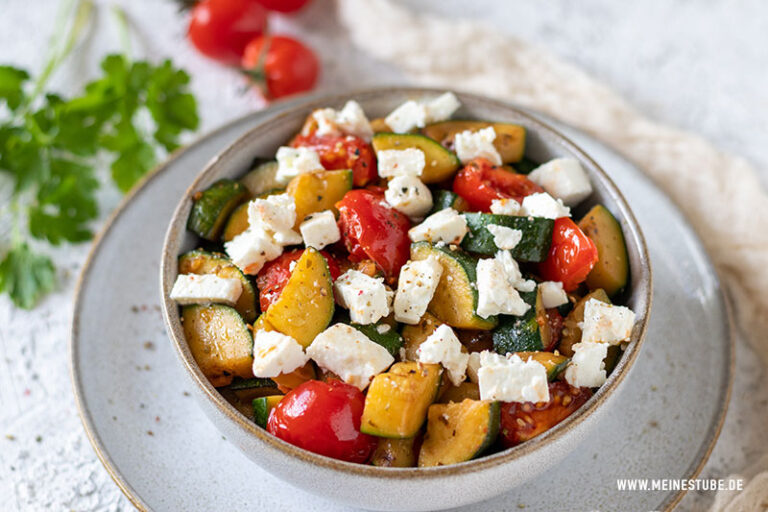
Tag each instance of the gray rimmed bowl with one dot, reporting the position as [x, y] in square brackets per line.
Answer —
[405, 488]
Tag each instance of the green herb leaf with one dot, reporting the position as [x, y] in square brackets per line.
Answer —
[12, 85]
[26, 276]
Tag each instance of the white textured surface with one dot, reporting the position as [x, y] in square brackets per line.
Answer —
[696, 65]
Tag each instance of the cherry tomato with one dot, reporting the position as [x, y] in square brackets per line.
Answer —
[324, 418]
[555, 322]
[221, 29]
[372, 229]
[523, 421]
[282, 64]
[571, 256]
[343, 152]
[284, 5]
[479, 183]
[273, 277]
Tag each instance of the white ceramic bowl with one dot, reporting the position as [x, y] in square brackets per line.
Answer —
[408, 488]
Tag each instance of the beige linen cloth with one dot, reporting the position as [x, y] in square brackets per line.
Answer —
[699, 178]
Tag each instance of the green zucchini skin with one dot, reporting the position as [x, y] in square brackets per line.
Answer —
[525, 165]
[442, 199]
[518, 334]
[212, 208]
[390, 340]
[261, 411]
[533, 247]
[253, 383]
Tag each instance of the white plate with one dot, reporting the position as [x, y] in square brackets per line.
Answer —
[165, 455]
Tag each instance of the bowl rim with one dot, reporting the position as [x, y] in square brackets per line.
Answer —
[177, 225]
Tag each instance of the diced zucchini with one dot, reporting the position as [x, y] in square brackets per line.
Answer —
[554, 363]
[212, 208]
[534, 246]
[441, 164]
[318, 190]
[236, 224]
[383, 334]
[509, 142]
[252, 383]
[262, 406]
[531, 332]
[203, 262]
[457, 394]
[414, 335]
[525, 166]
[305, 306]
[442, 199]
[612, 268]
[455, 299]
[262, 179]
[397, 401]
[394, 453]
[571, 330]
[219, 341]
[457, 432]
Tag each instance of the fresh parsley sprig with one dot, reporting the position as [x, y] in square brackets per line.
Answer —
[52, 146]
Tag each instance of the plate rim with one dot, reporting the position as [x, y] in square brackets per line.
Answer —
[94, 439]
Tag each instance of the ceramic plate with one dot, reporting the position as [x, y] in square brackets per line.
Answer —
[165, 455]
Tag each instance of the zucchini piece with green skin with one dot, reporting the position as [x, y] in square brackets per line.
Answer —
[457, 432]
[219, 341]
[531, 332]
[236, 224]
[509, 141]
[455, 298]
[442, 199]
[534, 246]
[611, 271]
[554, 363]
[261, 408]
[394, 453]
[262, 179]
[204, 262]
[525, 166]
[383, 334]
[212, 208]
[441, 164]
[240, 384]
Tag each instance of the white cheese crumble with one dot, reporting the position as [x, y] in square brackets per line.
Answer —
[276, 215]
[366, 298]
[587, 368]
[350, 120]
[498, 281]
[275, 353]
[544, 205]
[206, 288]
[563, 178]
[407, 194]
[473, 364]
[416, 114]
[400, 162]
[415, 287]
[606, 323]
[479, 144]
[294, 161]
[442, 107]
[349, 354]
[504, 237]
[442, 346]
[251, 249]
[505, 207]
[510, 379]
[444, 226]
[552, 294]
[320, 230]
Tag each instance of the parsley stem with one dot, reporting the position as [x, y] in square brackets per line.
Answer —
[122, 28]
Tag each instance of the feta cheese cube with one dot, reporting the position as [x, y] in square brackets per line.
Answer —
[251, 249]
[563, 178]
[442, 346]
[552, 294]
[349, 354]
[479, 144]
[505, 207]
[409, 195]
[504, 237]
[415, 287]
[275, 215]
[407, 116]
[497, 281]
[320, 229]
[606, 323]
[444, 226]
[587, 368]
[366, 298]
[206, 288]
[510, 379]
[294, 161]
[442, 107]
[350, 120]
[400, 162]
[275, 353]
[473, 365]
[544, 205]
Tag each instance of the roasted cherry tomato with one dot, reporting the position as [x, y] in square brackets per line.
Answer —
[523, 421]
[343, 152]
[273, 277]
[555, 323]
[480, 182]
[220, 29]
[280, 65]
[475, 340]
[286, 6]
[372, 229]
[323, 417]
[571, 256]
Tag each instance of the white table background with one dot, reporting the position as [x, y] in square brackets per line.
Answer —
[701, 66]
